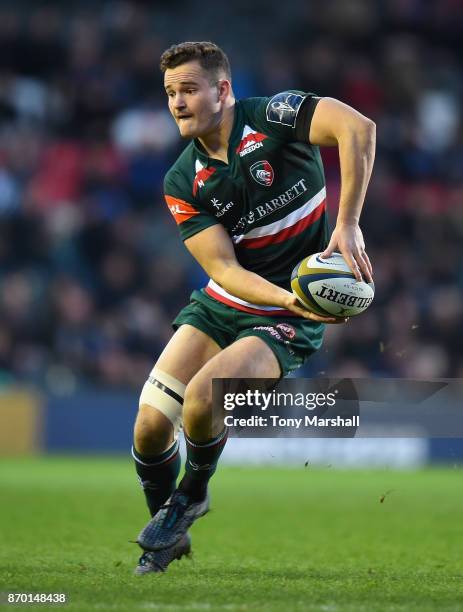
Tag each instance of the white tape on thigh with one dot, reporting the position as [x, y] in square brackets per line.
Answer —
[165, 393]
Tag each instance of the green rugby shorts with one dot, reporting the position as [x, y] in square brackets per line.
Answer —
[292, 339]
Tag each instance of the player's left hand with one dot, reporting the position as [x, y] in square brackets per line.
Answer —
[347, 238]
[292, 304]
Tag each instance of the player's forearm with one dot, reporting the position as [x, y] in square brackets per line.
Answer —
[356, 154]
[251, 287]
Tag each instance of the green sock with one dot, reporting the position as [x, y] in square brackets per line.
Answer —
[158, 475]
[201, 463]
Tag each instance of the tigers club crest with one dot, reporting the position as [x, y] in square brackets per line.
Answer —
[262, 173]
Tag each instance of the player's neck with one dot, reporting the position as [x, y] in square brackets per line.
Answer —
[216, 142]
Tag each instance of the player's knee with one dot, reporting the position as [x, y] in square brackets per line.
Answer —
[153, 432]
[197, 407]
[160, 413]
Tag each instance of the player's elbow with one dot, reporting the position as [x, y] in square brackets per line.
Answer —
[359, 135]
[369, 139]
[220, 271]
[366, 130]
[370, 128]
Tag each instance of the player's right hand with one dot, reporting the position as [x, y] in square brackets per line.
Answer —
[293, 305]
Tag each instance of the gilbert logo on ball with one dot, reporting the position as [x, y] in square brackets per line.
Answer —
[328, 287]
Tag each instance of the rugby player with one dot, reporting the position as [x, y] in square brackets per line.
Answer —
[248, 195]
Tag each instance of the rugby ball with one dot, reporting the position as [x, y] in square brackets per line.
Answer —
[328, 287]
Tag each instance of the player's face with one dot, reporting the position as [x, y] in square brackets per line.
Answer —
[194, 101]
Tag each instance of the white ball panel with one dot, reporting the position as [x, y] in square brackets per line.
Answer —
[343, 297]
[335, 262]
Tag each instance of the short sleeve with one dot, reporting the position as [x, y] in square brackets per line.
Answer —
[187, 213]
[287, 115]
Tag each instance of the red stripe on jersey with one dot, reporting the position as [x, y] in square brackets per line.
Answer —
[256, 311]
[201, 177]
[181, 210]
[288, 232]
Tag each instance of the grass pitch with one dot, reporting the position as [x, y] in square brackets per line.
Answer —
[276, 539]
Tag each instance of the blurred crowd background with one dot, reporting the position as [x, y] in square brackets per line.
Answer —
[92, 270]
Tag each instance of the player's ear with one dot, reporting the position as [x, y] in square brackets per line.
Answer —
[223, 90]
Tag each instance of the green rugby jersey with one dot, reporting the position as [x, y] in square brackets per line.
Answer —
[270, 197]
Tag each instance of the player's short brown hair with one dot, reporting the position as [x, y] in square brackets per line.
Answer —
[211, 58]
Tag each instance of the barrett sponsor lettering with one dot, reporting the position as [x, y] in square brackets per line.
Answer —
[267, 208]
